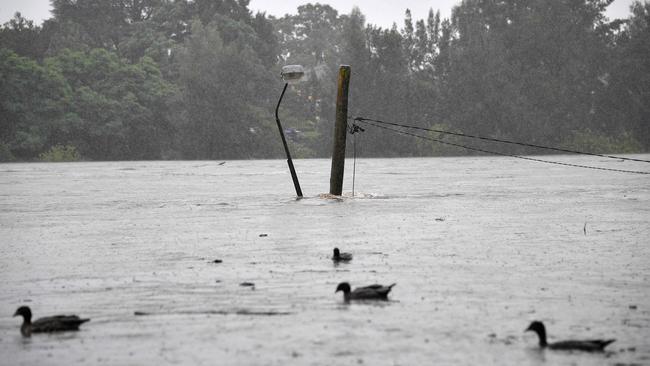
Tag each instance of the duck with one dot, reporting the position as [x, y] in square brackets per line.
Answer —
[592, 345]
[372, 292]
[58, 323]
[341, 257]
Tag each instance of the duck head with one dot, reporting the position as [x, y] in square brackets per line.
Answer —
[25, 312]
[538, 327]
[337, 253]
[343, 286]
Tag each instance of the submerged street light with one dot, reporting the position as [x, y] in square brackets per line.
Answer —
[291, 74]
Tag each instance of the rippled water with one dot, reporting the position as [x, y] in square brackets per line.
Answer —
[478, 247]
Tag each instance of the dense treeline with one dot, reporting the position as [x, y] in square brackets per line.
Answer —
[180, 79]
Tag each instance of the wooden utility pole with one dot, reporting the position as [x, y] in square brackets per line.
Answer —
[340, 131]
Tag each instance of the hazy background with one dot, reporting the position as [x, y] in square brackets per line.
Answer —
[193, 80]
[382, 13]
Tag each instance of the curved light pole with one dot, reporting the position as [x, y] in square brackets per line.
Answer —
[291, 74]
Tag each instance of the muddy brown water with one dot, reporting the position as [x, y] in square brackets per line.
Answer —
[478, 248]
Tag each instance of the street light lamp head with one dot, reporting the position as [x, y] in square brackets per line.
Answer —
[292, 74]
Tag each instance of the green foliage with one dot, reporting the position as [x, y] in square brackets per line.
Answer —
[221, 82]
[599, 143]
[625, 104]
[442, 149]
[117, 110]
[300, 151]
[32, 99]
[60, 153]
[5, 154]
[152, 79]
[24, 38]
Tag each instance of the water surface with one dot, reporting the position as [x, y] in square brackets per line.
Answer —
[478, 248]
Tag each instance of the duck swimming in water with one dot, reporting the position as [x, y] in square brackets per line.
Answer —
[372, 292]
[593, 345]
[58, 323]
[341, 257]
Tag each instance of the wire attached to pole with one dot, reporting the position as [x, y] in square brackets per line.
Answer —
[354, 130]
[370, 123]
[363, 119]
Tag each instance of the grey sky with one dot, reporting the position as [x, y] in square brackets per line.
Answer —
[380, 12]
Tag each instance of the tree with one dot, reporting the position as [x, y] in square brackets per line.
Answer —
[32, 100]
[143, 79]
[24, 38]
[525, 70]
[97, 23]
[625, 106]
[311, 36]
[221, 83]
[117, 110]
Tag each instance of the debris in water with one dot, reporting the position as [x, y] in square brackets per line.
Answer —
[633, 307]
[328, 196]
[247, 284]
[217, 261]
[507, 340]
[584, 229]
[222, 163]
[440, 219]
[261, 313]
[219, 312]
[263, 235]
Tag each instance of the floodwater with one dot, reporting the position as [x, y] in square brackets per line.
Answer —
[478, 248]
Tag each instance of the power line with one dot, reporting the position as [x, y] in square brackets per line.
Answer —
[354, 130]
[374, 124]
[363, 119]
